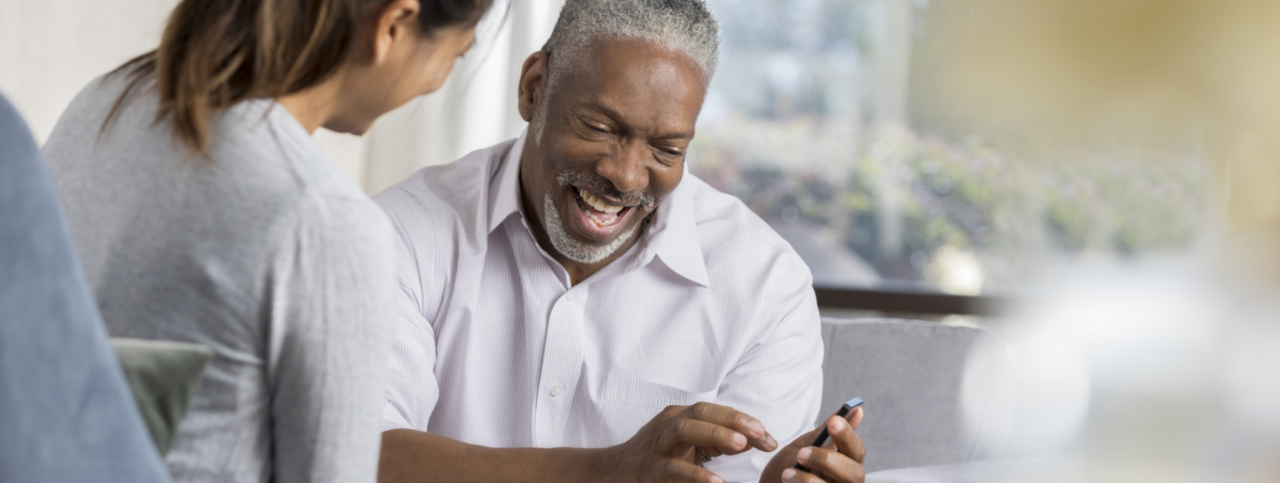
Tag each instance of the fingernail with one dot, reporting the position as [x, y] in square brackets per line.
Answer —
[756, 428]
[788, 474]
[838, 425]
[716, 479]
[771, 443]
[739, 440]
[803, 455]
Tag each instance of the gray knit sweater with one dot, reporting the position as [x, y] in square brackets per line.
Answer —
[264, 252]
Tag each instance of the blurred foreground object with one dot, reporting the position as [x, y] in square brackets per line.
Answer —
[65, 411]
[1180, 356]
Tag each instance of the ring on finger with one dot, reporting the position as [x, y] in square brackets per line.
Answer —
[702, 454]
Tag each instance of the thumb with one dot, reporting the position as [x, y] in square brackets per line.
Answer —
[805, 440]
[855, 419]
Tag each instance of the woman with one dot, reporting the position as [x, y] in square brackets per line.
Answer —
[205, 213]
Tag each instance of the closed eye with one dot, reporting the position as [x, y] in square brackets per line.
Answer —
[669, 155]
[594, 126]
[669, 149]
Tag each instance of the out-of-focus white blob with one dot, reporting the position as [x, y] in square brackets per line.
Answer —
[1148, 329]
[1053, 390]
[1252, 370]
[987, 398]
[956, 271]
[1154, 335]
[1113, 340]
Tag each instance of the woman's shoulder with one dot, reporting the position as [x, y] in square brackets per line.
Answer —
[83, 119]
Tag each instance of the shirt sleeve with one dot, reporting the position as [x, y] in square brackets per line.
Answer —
[778, 380]
[411, 390]
[330, 289]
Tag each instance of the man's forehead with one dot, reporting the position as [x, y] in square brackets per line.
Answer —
[629, 77]
[623, 58]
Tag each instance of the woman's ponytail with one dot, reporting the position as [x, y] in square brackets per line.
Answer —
[216, 53]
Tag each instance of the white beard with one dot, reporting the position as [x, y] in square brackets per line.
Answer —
[573, 249]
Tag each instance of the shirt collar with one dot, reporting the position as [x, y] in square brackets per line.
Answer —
[504, 184]
[672, 235]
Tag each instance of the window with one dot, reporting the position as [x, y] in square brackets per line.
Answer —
[818, 120]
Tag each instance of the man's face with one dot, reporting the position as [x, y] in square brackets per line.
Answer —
[608, 143]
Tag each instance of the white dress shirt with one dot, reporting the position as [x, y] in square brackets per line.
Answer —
[496, 347]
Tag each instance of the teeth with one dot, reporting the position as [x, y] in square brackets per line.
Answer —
[597, 203]
[601, 223]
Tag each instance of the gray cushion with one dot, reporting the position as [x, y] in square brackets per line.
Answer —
[162, 376]
[935, 394]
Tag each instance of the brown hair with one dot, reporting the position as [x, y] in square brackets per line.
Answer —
[216, 53]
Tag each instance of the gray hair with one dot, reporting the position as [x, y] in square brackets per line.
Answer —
[682, 25]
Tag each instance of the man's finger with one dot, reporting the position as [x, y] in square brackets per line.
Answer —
[855, 419]
[735, 420]
[807, 439]
[680, 471]
[792, 475]
[845, 439]
[670, 412]
[686, 432]
[711, 451]
[832, 465]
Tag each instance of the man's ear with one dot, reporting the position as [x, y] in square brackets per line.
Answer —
[532, 85]
[394, 25]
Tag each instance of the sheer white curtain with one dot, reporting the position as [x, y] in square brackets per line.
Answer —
[475, 108]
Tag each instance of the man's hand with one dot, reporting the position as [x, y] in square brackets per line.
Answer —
[841, 463]
[663, 450]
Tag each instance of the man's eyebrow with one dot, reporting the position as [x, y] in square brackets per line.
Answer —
[594, 103]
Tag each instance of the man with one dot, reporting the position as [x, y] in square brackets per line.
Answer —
[576, 307]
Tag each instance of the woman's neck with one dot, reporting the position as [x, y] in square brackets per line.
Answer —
[315, 105]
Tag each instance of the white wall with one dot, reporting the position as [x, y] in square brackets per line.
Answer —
[50, 50]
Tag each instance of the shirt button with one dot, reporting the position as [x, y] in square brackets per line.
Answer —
[556, 390]
[569, 296]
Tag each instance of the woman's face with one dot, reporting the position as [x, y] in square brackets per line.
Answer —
[398, 65]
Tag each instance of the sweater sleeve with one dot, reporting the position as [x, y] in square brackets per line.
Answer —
[329, 332]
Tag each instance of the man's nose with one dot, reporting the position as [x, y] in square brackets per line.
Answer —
[626, 167]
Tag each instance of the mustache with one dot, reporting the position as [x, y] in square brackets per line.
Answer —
[604, 187]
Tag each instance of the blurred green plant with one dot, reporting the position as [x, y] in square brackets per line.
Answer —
[1013, 213]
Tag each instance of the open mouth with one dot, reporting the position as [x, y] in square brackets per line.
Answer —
[598, 219]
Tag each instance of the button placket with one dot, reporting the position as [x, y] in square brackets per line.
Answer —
[561, 368]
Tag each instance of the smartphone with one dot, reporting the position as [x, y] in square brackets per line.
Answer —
[844, 411]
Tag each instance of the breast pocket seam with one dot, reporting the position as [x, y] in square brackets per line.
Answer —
[647, 394]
